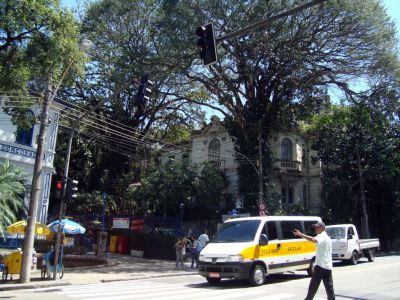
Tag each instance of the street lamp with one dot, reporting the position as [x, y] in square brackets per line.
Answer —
[259, 173]
[37, 170]
[181, 210]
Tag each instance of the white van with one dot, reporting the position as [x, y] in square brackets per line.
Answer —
[254, 247]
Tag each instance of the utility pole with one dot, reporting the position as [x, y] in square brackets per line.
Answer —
[261, 205]
[37, 170]
[35, 190]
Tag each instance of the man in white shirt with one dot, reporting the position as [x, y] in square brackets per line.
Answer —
[323, 261]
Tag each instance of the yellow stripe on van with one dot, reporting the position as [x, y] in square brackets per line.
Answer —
[272, 250]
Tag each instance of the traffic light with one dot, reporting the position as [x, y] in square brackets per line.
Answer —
[207, 44]
[144, 89]
[72, 189]
[59, 189]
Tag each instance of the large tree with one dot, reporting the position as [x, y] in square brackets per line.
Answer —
[275, 76]
[359, 149]
[126, 47]
[271, 77]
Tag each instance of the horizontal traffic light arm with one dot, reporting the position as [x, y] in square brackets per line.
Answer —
[267, 21]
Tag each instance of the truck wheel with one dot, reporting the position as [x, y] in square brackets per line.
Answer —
[310, 270]
[211, 280]
[354, 258]
[257, 275]
[371, 255]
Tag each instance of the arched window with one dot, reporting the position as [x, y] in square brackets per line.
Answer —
[286, 149]
[24, 137]
[214, 150]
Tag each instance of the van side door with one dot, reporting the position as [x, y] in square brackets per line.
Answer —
[290, 244]
[269, 250]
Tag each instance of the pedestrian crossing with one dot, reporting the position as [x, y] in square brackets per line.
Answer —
[148, 289]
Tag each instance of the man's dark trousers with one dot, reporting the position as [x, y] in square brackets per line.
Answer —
[326, 276]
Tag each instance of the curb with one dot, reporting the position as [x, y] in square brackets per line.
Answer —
[148, 276]
[21, 286]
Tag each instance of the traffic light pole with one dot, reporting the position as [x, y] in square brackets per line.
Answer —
[62, 203]
[266, 21]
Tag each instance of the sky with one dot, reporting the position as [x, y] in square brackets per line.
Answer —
[393, 9]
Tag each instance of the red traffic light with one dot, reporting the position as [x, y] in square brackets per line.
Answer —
[59, 185]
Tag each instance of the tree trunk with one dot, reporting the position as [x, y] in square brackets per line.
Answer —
[362, 195]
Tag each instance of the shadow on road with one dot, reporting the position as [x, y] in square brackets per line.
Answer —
[240, 284]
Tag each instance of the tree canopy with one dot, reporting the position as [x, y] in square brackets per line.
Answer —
[38, 40]
[358, 146]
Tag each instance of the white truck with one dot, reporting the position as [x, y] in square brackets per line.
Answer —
[347, 246]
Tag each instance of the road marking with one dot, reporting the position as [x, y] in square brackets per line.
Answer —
[150, 290]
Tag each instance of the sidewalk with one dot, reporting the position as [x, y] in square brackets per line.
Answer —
[118, 267]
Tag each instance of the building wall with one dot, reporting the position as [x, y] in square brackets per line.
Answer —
[23, 156]
[299, 174]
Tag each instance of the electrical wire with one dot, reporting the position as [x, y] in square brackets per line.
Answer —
[128, 138]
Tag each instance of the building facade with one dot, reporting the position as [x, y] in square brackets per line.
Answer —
[19, 147]
[296, 177]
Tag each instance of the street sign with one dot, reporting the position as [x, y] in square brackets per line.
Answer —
[261, 209]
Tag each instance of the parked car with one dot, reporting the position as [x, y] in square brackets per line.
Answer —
[347, 245]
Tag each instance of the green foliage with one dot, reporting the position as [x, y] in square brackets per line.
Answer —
[38, 42]
[202, 189]
[280, 75]
[359, 145]
[90, 203]
[275, 207]
[12, 190]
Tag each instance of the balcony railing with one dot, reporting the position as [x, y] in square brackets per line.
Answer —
[288, 164]
[220, 164]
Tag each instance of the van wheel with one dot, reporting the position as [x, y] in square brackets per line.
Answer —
[371, 255]
[213, 280]
[310, 270]
[257, 275]
[354, 258]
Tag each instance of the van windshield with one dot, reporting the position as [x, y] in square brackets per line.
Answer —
[336, 232]
[237, 231]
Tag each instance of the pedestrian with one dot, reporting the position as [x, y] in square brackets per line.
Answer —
[203, 240]
[34, 260]
[179, 252]
[193, 252]
[323, 261]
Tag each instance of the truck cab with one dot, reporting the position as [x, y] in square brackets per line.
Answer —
[347, 245]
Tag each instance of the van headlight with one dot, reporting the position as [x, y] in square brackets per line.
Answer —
[234, 258]
[343, 245]
[202, 258]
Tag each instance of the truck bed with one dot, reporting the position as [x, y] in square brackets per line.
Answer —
[368, 243]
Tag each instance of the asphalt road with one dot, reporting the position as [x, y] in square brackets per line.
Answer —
[379, 280]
